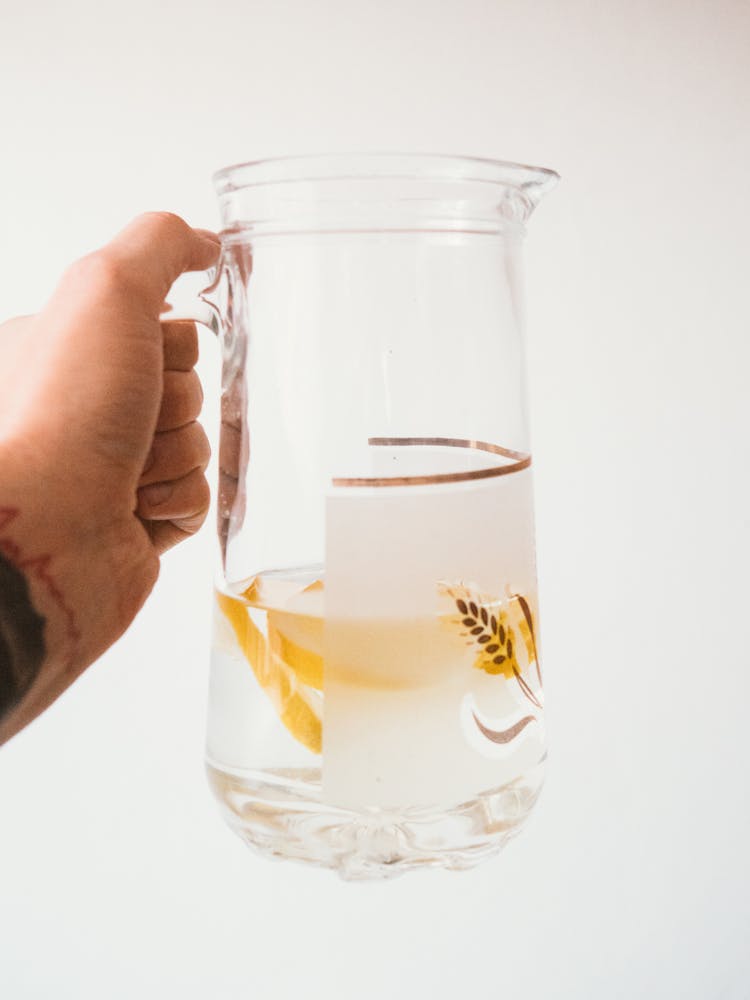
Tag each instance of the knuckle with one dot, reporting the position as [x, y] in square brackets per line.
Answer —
[203, 494]
[196, 495]
[192, 346]
[182, 400]
[166, 223]
[195, 451]
[193, 391]
[183, 394]
[185, 342]
[203, 447]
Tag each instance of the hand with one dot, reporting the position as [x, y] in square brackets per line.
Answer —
[103, 458]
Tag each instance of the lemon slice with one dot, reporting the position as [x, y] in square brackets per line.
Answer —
[296, 637]
[286, 633]
[279, 680]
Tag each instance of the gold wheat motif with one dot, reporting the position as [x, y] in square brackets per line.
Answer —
[497, 629]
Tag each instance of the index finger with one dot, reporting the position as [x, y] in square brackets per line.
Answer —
[156, 248]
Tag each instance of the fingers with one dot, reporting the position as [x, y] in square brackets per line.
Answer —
[177, 500]
[173, 497]
[175, 453]
[184, 502]
[180, 345]
[182, 398]
[155, 249]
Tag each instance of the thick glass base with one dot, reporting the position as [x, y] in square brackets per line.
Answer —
[280, 814]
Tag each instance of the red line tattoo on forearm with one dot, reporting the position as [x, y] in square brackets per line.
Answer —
[37, 568]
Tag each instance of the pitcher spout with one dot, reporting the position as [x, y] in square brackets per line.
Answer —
[527, 188]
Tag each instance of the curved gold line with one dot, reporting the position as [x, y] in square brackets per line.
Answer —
[530, 625]
[522, 461]
[526, 689]
[502, 735]
[496, 449]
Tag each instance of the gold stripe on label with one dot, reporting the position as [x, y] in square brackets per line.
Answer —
[520, 461]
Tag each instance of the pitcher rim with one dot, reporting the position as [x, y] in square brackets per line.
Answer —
[382, 165]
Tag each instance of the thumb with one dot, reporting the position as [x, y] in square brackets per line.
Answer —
[155, 249]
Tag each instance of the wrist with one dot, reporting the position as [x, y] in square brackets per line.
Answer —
[54, 596]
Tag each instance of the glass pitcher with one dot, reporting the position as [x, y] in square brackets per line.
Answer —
[375, 697]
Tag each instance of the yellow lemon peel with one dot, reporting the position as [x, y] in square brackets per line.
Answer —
[277, 678]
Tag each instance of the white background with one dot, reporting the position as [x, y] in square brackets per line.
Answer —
[117, 878]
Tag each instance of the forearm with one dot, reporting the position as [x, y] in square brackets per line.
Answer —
[53, 599]
[39, 631]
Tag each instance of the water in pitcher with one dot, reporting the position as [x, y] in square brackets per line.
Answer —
[316, 722]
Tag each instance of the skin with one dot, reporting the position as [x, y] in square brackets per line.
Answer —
[101, 454]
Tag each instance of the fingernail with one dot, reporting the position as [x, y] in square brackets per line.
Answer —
[190, 524]
[157, 494]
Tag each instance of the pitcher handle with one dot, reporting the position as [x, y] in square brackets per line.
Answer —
[190, 297]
